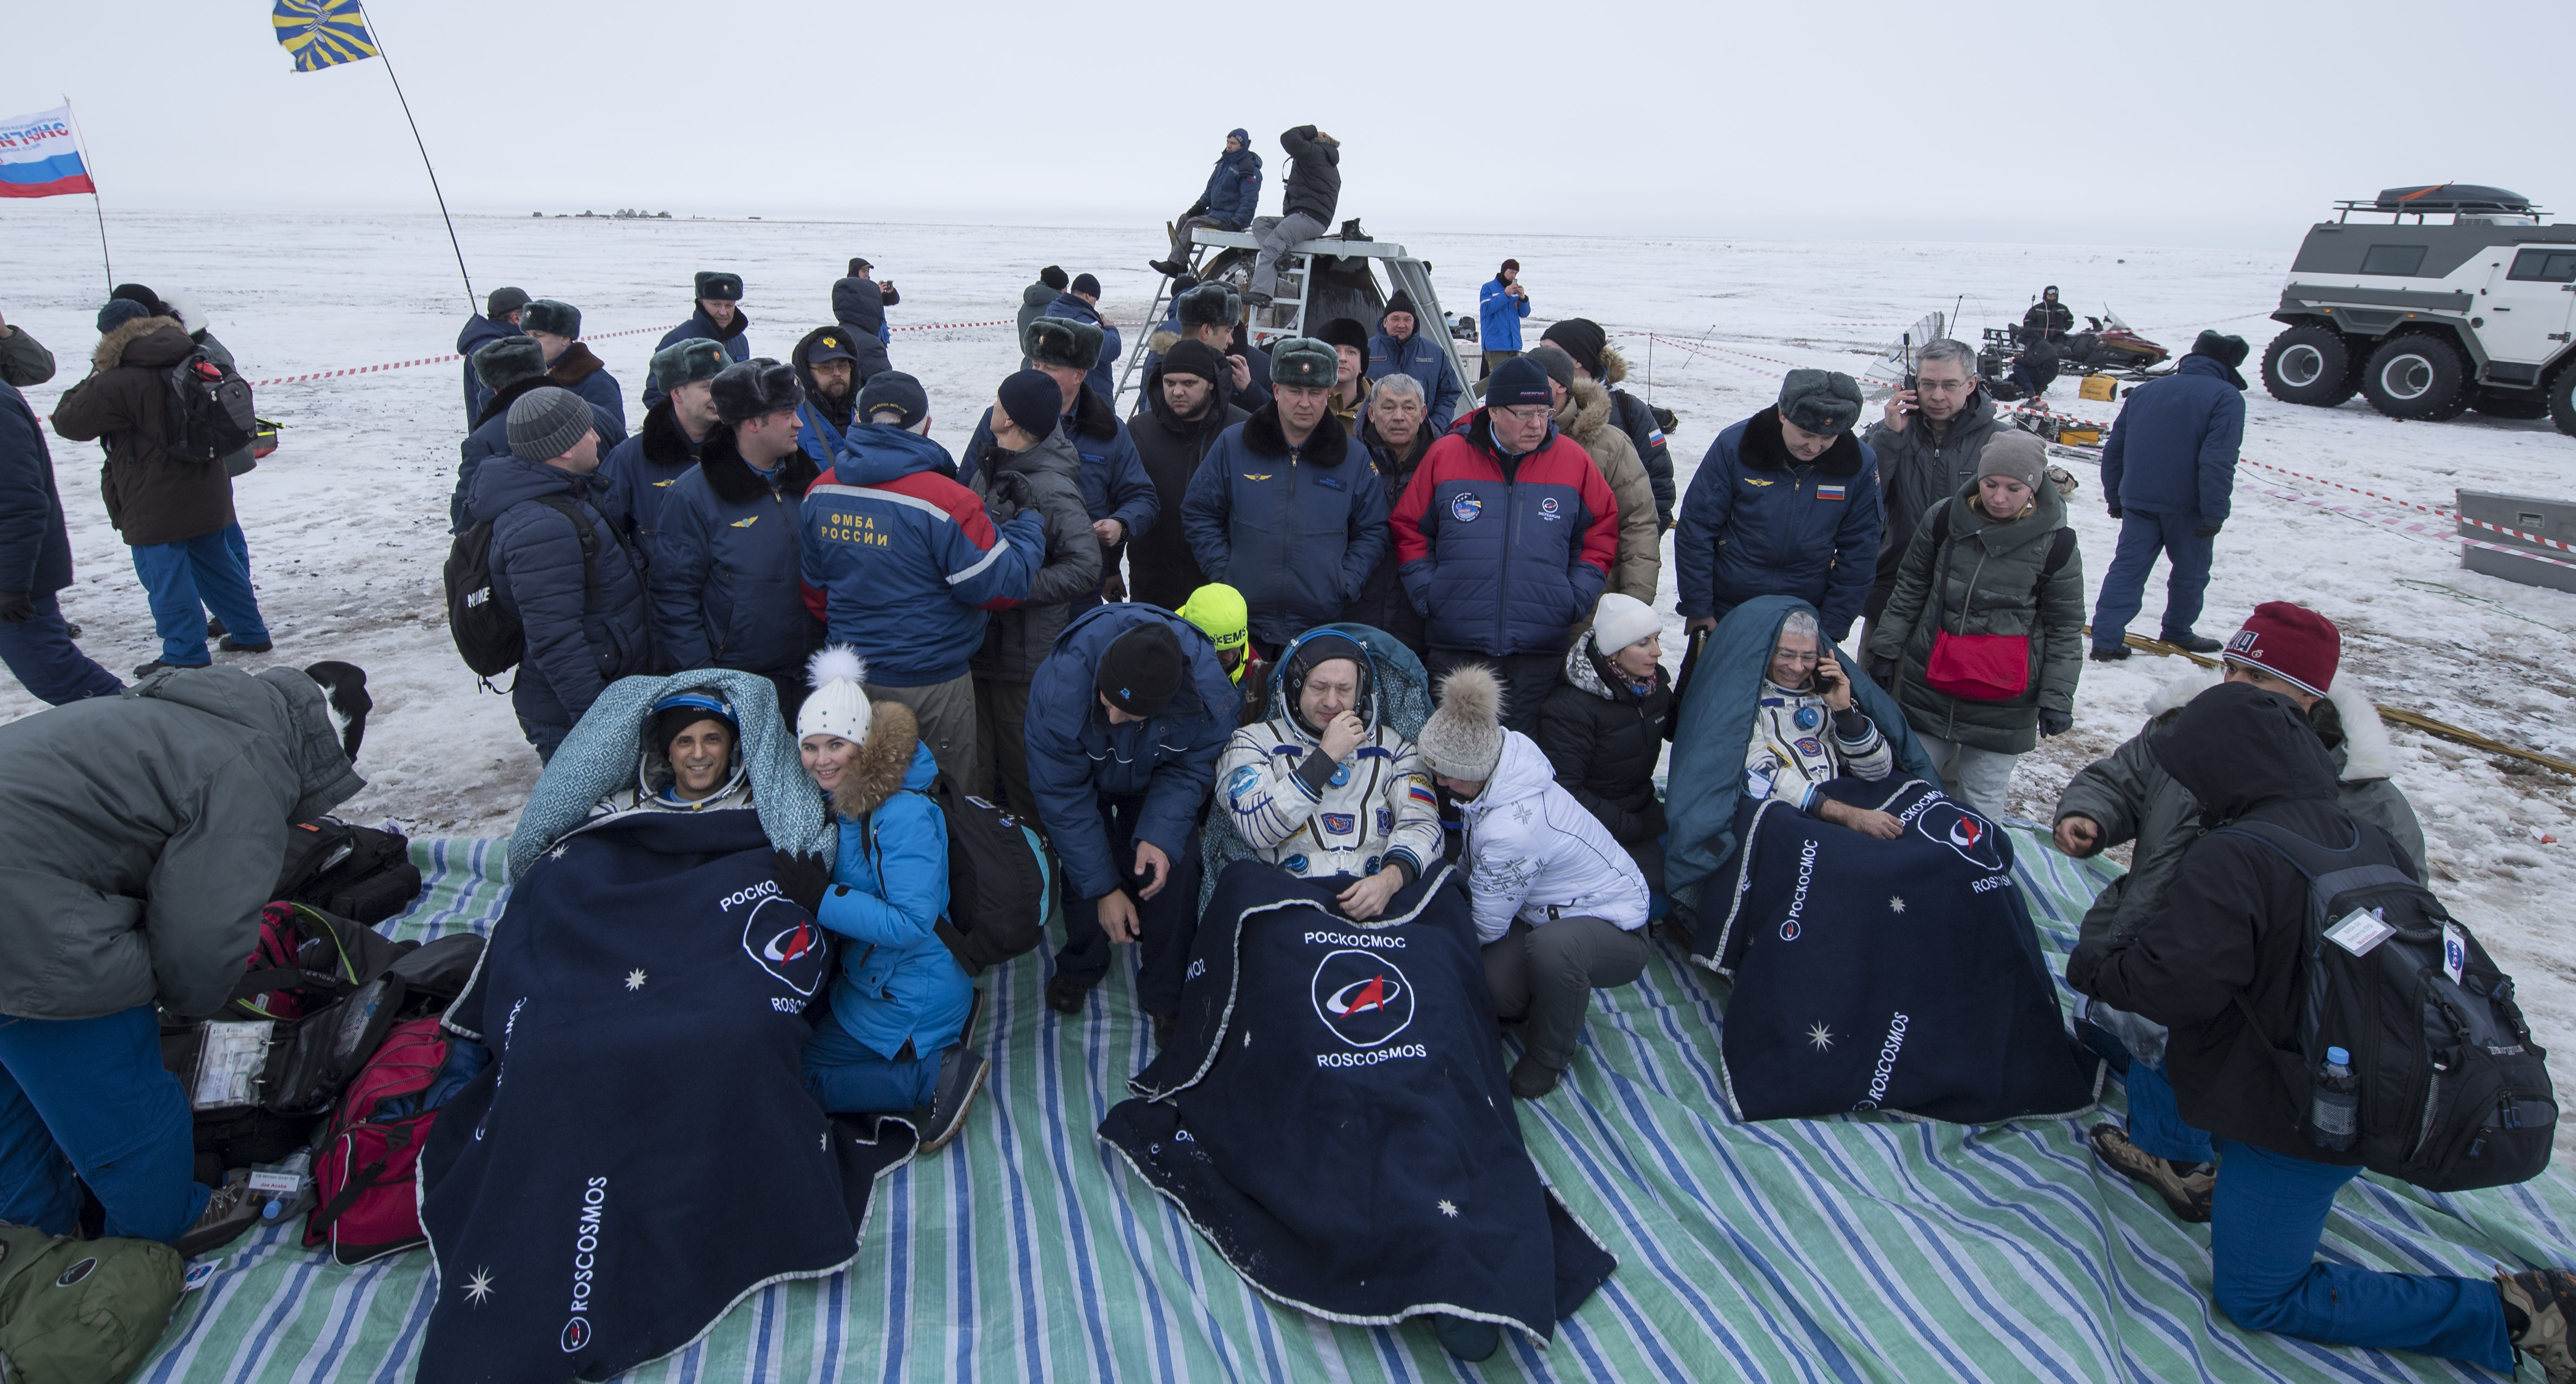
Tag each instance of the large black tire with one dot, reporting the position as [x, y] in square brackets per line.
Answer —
[2515, 404]
[2562, 399]
[2310, 364]
[2420, 377]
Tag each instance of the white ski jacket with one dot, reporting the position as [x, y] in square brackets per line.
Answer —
[1535, 854]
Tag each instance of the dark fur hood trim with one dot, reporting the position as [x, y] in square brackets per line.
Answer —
[1326, 446]
[884, 758]
[664, 443]
[732, 478]
[112, 347]
[1762, 449]
[509, 394]
[575, 365]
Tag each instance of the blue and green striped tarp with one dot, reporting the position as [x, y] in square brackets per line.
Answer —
[1851, 1249]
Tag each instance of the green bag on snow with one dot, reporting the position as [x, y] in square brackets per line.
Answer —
[81, 1311]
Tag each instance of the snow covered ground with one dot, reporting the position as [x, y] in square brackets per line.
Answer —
[347, 520]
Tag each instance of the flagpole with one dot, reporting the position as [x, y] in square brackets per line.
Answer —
[95, 206]
[376, 30]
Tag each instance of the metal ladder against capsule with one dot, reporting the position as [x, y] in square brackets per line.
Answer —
[1293, 265]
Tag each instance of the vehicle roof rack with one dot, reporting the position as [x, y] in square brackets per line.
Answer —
[2435, 199]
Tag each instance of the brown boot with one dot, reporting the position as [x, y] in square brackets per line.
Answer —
[2187, 1193]
[2536, 1307]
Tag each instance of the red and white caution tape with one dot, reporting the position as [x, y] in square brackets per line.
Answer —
[954, 326]
[2403, 525]
[425, 360]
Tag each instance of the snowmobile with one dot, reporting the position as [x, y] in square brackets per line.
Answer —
[2115, 349]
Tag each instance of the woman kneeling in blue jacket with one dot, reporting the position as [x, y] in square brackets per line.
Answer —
[894, 1041]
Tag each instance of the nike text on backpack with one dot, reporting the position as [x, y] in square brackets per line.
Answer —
[1982, 667]
[999, 882]
[490, 638]
[210, 408]
[2453, 1093]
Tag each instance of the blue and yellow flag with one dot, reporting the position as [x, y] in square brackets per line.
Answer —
[323, 33]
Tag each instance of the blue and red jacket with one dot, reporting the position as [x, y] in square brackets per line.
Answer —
[901, 562]
[1500, 554]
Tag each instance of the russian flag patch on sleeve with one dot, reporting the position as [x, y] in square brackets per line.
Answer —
[1829, 492]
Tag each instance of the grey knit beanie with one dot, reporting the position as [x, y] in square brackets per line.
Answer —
[2012, 452]
[546, 423]
[1463, 740]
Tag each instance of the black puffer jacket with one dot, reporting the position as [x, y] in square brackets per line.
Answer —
[153, 494]
[1604, 741]
[1919, 469]
[1160, 569]
[1314, 174]
[1046, 478]
[2231, 921]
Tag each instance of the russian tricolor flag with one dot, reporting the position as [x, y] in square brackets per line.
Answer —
[39, 157]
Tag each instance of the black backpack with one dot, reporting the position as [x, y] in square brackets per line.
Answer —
[2454, 1094]
[999, 883]
[360, 873]
[488, 636]
[210, 408]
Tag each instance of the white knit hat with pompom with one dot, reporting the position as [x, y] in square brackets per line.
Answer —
[838, 705]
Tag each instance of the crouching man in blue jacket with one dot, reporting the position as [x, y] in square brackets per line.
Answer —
[1126, 718]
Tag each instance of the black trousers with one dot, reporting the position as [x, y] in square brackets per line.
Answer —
[1170, 919]
[1526, 680]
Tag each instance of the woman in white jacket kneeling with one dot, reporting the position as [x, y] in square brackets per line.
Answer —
[1560, 907]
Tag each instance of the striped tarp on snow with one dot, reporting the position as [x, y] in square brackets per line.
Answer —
[1851, 1249]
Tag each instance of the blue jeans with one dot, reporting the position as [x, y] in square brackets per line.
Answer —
[2124, 588]
[40, 652]
[546, 737]
[187, 579]
[2269, 1213]
[847, 1079]
[2156, 1124]
[88, 1097]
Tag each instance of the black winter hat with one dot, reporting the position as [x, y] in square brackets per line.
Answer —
[1345, 331]
[1582, 338]
[1517, 382]
[1209, 305]
[508, 361]
[1403, 302]
[831, 345]
[859, 266]
[1064, 341]
[552, 316]
[754, 388]
[895, 391]
[1142, 669]
[1302, 360]
[503, 302]
[1085, 284]
[1052, 277]
[1195, 358]
[723, 287]
[116, 312]
[1033, 403]
[1820, 401]
[1323, 646]
[2229, 351]
[151, 301]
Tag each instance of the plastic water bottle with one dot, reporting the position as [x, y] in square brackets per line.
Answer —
[2335, 1111]
[286, 1186]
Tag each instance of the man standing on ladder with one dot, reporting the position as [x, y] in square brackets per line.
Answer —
[1306, 208]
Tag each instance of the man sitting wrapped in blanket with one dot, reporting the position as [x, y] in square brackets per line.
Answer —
[1880, 955]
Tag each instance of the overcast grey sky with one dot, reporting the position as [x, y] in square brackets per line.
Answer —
[2155, 121]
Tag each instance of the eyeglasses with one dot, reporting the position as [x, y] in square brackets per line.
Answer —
[1793, 656]
[1924, 386]
[1526, 413]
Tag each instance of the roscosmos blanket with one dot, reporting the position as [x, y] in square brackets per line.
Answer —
[1885, 975]
[641, 1153]
[1331, 1113]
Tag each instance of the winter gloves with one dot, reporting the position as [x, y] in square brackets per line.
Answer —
[16, 607]
[802, 878]
[2053, 723]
